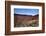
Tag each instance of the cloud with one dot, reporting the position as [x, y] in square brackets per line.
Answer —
[26, 11]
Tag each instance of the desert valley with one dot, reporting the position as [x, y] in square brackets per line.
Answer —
[26, 20]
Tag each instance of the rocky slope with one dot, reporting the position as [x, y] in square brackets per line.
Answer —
[25, 20]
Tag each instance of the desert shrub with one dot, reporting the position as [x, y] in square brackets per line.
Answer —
[34, 24]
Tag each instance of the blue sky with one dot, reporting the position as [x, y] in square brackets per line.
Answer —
[26, 11]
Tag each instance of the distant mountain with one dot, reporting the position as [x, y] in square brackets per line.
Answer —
[25, 15]
[21, 15]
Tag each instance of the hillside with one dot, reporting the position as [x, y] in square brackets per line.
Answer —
[25, 20]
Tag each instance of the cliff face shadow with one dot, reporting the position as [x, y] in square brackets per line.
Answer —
[26, 20]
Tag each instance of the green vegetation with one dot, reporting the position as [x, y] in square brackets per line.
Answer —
[32, 24]
[25, 25]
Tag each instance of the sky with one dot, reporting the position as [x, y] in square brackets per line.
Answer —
[25, 11]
